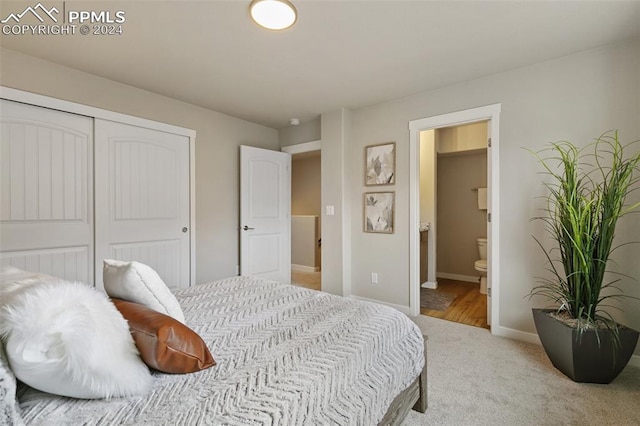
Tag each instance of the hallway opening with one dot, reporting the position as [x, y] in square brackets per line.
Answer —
[306, 229]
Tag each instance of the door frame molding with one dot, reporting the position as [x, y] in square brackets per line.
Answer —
[93, 112]
[488, 112]
[302, 147]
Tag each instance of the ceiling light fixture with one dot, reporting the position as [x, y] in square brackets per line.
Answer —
[273, 14]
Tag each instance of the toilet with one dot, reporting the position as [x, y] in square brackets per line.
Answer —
[480, 265]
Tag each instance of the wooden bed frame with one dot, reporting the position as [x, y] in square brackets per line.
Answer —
[413, 397]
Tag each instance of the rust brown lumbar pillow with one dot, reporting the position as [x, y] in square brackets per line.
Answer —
[165, 344]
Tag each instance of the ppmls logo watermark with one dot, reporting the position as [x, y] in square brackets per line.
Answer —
[61, 20]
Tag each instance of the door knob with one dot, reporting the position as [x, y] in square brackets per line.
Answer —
[185, 229]
[246, 228]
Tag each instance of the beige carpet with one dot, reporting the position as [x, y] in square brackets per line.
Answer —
[475, 378]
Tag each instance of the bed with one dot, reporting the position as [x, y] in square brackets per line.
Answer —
[285, 356]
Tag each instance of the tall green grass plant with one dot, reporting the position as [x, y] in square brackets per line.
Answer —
[588, 188]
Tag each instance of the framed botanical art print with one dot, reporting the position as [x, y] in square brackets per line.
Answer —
[379, 212]
[380, 164]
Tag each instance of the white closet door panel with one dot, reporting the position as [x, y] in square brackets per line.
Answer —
[69, 263]
[46, 187]
[142, 199]
[45, 171]
[145, 181]
[163, 256]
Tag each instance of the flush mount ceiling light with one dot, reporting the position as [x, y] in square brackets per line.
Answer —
[273, 14]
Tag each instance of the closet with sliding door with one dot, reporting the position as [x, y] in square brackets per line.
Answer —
[80, 184]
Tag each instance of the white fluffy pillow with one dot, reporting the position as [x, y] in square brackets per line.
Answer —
[69, 339]
[139, 283]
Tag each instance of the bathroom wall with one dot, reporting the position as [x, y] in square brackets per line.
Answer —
[428, 178]
[459, 221]
[462, 138]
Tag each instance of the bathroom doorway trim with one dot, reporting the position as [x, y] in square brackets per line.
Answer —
[488, 112]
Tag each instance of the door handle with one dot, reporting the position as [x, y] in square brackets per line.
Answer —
[185, 229]
[246, 228]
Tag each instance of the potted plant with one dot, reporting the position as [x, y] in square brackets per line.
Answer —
[588, 188]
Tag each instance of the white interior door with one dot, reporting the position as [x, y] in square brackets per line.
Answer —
[142, 199]
[265, 214]
[46, 191]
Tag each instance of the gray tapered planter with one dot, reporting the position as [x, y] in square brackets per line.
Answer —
[583, 359]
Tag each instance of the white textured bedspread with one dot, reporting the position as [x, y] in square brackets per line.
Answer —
[285, 356]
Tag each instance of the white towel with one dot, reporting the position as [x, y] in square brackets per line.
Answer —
[482, 198]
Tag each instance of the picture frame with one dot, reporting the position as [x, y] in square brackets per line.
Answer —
[380, 164]
[379, 212]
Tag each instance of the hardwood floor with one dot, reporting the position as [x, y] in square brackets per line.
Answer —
[306, 279]
[469, 306]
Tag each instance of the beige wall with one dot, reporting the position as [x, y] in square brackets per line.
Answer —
[217, 141]
[305, 185]
[462, 138]
[460, 222]
[304, 242]
[575, 97]
[305, 132]
[336, 229]
[306, 196]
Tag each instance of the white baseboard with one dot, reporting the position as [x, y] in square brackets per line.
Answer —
[430, 284]
[533, 338]
[515, 334]
[457, 277]
[404, 309]
[304, 268]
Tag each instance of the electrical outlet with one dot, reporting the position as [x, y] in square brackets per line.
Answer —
[374, 278]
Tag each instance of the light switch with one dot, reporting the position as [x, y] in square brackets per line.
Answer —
[330, 210]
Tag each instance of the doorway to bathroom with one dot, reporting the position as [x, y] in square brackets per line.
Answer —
[454, 164]
[306, 227]
[461, 221]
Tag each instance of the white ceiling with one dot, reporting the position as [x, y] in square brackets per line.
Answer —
[339, 54]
